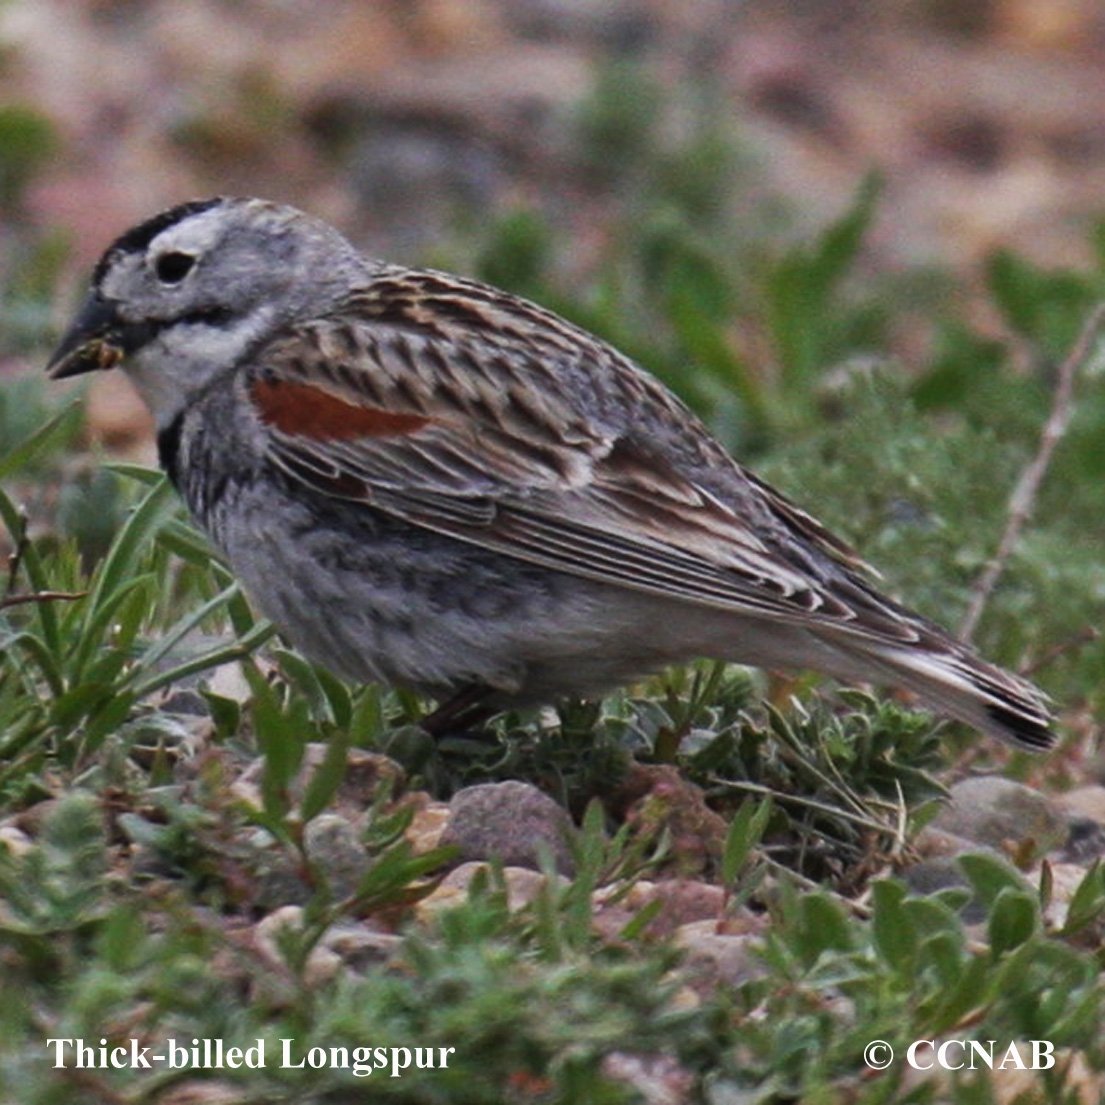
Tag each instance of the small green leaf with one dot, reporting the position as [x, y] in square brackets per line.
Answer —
[185, 541]
[122, 939]
[1046, 306]
[931, 916]
[1047, 885]
[226, 713]
[968, 993]
[745, 832]
[635, 928]
[989, 876]
[337, 696]
[29, 139]
[368, 721]
[1087, 903]
[894, 935]
[389, 881]
[943, 952]
[590, 850]
[326, 778]
[282, 742]
[800, 308]
[825, 927]
[1013, 920]
[304, 678]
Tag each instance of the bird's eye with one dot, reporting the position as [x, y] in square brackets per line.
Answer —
[172, 268]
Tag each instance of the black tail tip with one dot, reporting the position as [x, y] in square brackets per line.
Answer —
[1032, 733]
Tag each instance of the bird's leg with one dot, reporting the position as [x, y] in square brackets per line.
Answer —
[469, 707]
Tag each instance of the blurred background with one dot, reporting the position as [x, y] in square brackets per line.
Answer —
[560, 135]
[762, 202]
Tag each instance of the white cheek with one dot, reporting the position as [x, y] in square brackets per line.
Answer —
[178, 364]
[158, 386]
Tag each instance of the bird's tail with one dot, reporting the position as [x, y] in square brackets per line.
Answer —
[955, 681]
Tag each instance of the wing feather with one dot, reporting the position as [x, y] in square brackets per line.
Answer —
[445, 414]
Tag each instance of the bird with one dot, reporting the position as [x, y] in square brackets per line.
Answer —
[425, 481]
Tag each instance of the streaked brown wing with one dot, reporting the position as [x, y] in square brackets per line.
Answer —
[454, 422]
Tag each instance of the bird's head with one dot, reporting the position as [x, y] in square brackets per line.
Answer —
[181, 298]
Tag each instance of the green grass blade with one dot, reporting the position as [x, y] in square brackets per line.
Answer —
[23, 453]
[326, 778]
[162, 647]
[227, 654]
[40, 653]
[36, 573]
[140, 473]
[93, 634]
[148, 517]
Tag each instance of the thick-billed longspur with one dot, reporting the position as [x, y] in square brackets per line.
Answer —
[424, 480]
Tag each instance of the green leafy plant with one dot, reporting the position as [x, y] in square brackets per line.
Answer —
[81, 652]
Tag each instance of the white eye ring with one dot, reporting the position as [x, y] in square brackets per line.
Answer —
[173, 267]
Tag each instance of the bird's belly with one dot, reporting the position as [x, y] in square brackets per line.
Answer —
[372, 598]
